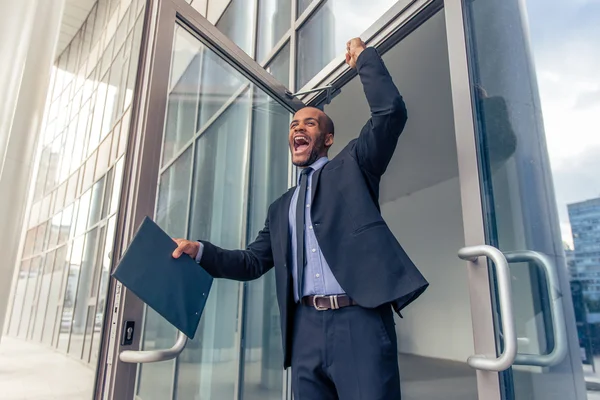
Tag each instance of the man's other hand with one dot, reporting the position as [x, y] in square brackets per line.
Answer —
[186, 247]
[353, 49]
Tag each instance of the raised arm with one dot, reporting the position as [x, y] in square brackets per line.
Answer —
[239, 265]
[378, 138]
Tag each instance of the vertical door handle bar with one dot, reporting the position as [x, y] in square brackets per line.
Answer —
[507, 358]
[150, 356]
[559, 351]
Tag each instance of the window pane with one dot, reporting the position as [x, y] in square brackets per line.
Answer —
[274, 19]
[83, 291]
[325, 34]
[280, 67]
[236, 23]
[34, 272]
[173, 197]
[74, 265]
[216, 215]
[19, 297]
[219, 83]
[41, 299]
[268, 179]
[54, 294]
[182, 104]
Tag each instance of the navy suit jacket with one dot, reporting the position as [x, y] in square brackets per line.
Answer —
[362, 252]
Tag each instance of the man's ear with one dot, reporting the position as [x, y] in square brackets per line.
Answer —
[328, 140]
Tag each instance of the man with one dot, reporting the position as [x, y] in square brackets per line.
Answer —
[339, 269]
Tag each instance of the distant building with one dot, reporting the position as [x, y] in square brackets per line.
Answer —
[584, 262]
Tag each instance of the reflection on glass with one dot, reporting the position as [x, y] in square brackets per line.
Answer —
[41, 296]
[73, 268]
[19, 297]
[219, 83]
[171, 210]
[268, 179]
[96, 202]
[302, 6]
[280, 66]
[116, 189]
[34, 272]
[82, 215]
[211, 359]
[54, 293]
[155, 380]
[236, 23]
[274, 19]
[83, 292]
[326, 32]
[182, 103]
[105, 258]
[535, 124]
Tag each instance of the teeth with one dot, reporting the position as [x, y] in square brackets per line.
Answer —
[300, 140]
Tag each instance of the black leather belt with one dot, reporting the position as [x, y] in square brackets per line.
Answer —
[333, 302]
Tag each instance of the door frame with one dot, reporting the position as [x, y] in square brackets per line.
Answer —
[384, 38]
[116, 379]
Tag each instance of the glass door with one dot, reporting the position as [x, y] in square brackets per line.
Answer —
[519, 209]
[212, 154]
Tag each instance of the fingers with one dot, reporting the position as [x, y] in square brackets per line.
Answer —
[182, 245]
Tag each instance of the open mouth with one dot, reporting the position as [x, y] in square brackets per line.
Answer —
[301, 144]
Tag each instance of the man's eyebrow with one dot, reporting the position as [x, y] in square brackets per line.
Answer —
[305, 119]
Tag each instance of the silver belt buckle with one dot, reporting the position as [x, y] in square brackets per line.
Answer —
[318, 296]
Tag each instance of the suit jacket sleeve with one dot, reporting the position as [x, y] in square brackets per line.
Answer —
[240, 265]
[378, 138]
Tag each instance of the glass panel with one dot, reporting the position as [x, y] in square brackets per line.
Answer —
[96, 203]
[116, 188]
[82, 215]
[326, 32]
[536, 106]
[41, 299]
[103, 290]
[54, 230]
[269, 169]
[30, 291]
[183, 97]
[219, 83]
[274, 20]
[303, 5]
[171, 215]
[74, 266]
[236, 23]
[66, 224]
[280, 66]
[173, 195]
[83, 291]
[19, 298]
[54, 294]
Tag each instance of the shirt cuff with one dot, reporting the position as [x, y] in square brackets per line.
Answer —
[200, 251]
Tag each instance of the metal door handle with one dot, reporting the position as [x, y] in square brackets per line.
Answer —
[507, 358]
[150, 356]
[559, 351]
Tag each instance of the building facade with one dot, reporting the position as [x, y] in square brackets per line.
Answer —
[585, 222]
[179, 110]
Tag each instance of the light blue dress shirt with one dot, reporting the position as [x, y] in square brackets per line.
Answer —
[318, 278]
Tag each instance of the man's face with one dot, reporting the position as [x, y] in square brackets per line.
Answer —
[308, 139]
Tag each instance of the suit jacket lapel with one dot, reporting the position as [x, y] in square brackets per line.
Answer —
[284, 225]
[315, 184]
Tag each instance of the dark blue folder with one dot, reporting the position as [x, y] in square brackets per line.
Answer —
[176, 288]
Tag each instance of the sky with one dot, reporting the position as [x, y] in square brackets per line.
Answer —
[565, 42]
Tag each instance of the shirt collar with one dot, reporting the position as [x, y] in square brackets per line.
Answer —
[317, 165]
